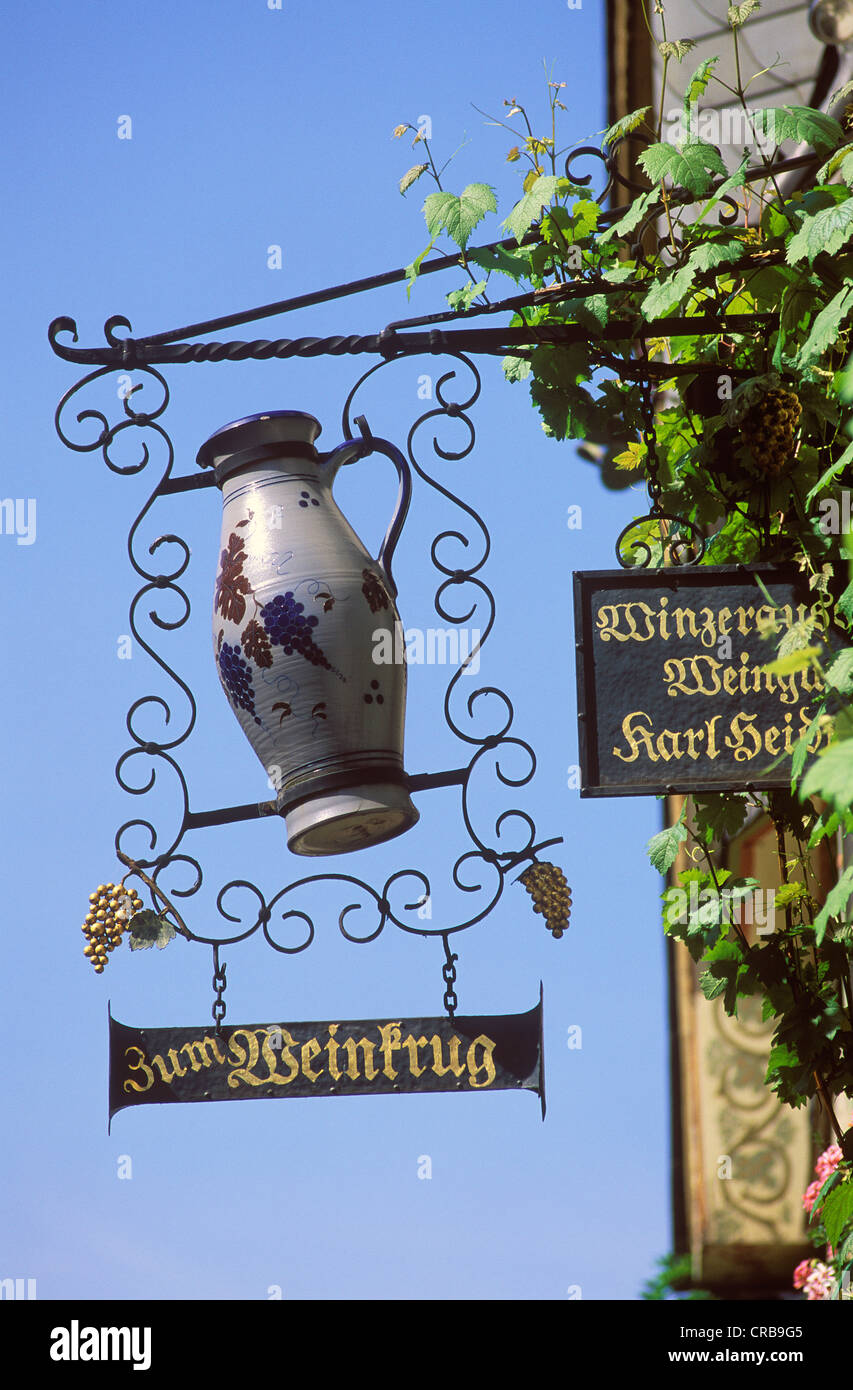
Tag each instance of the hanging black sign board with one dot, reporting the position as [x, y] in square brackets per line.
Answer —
[671, 697]
[150, 1066]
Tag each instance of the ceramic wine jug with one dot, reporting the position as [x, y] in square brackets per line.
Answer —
[300, 610]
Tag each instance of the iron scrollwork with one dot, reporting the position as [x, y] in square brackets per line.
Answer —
[362, 910]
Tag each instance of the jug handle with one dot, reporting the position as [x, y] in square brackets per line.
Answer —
[370, 444]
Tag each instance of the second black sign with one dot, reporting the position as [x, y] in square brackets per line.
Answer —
[671, 692]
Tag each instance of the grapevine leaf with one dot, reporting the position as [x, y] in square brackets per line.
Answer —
[592, 312]
[413, 270]
[676, 48]
[796, 637]
[623, 127]
[826, 230]
[790, 893]
[699, 81]
[840, 673]
[825, 329]
[836, 901]
[528, 209]
[665, 294]
[794, 661]
[831, 776]
[712, 253]
[496, 258]
[720, 815]
[835, 162]
[412, 176]
[585, 215]
[825, 479]
[632, 218]
[801, 749]
[739, 14]
[734, 180]
[462, 299]
[458, 216]
[690, 168]
[838, 1211]
[826, 826]
[632, 457]
[845, 602]
[798, 302]
[663, 847]
[148, 929]
[516, 368]
[800, 124]
[714, 982]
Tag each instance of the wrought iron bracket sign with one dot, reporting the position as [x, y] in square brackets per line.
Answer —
[672, 694]
[499, 845]
[155, 1066]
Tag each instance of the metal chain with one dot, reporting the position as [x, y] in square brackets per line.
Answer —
[219, 983]
[647, 409]
[448, 971]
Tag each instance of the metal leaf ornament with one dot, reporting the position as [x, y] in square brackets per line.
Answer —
[148, 929]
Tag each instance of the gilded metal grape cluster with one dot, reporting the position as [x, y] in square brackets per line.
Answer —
[551, 895]
[769, 428]
[111, 907]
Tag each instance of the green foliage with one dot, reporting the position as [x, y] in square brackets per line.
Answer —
[625, 125]
[837, 1211]
[663, 848]
[699, 81]
[674, 1272]
[529, 208]
[459, 216]
[412, 176]
[801, 124]
[691, 167]
[748, 246]
[823, 231]
[738, 14]
[831, 776]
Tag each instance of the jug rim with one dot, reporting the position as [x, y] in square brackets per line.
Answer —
[242, 436]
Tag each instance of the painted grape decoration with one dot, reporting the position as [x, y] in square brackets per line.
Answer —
[236, 676]
[288, 628]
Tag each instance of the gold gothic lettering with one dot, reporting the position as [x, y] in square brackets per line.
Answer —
[267, 1056]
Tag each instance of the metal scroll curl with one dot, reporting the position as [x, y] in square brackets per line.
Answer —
[673, 546]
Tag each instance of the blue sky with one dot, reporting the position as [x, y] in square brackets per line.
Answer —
[254, 127]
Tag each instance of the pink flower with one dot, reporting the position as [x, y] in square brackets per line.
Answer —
[802, 1272]
[820, 1283]
[810, 1194]
[828, 1162]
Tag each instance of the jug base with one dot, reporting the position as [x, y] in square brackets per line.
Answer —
[354, 818]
